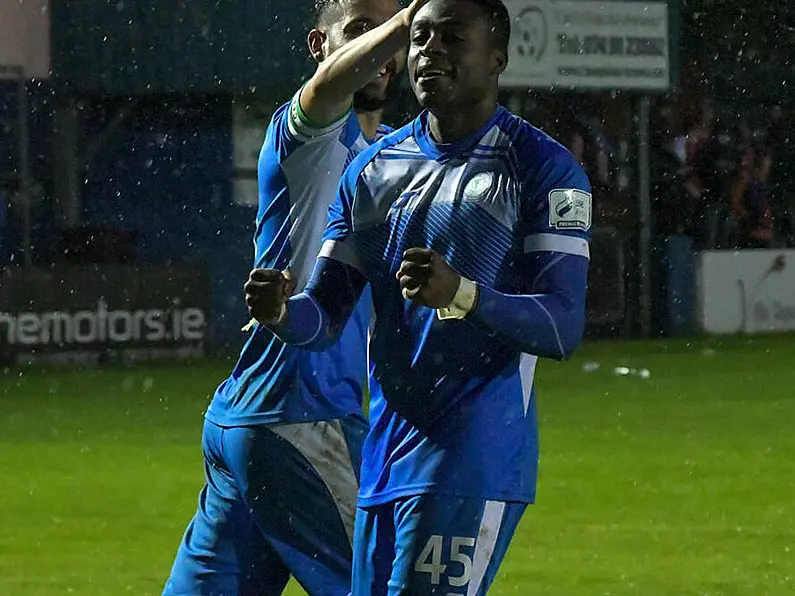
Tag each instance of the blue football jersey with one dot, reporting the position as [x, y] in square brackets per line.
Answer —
[299, 170]
[452, 404]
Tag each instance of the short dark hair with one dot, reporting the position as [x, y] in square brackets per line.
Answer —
[325, 11]
[499, 21]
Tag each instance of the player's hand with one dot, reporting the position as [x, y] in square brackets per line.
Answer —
[427, 279]
[267, 291]
[411, 11]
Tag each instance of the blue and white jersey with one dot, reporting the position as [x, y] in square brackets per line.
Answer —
[452, 402]
[299, 170]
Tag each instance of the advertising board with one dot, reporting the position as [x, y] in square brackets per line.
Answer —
[103, 313]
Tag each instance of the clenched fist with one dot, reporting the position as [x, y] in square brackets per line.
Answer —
[427, 279]
[267, 291]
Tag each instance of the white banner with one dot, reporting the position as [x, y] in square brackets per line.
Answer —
[750, 291]
[25, 36]
[582, 44]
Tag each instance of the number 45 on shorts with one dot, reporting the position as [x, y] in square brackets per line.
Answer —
[460, 553]
[461, 543]
[429, 545]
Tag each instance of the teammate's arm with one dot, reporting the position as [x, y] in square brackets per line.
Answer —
[328, 95]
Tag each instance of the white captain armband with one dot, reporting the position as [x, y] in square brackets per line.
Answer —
[463, 302]
[305, 130]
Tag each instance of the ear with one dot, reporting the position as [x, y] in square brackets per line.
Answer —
[499, 62]
[315, 40]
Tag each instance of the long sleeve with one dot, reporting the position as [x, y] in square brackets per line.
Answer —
[548, 322]
[547, 316]
[316, 316]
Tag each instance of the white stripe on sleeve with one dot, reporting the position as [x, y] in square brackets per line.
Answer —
[342, 252]
[571, 245]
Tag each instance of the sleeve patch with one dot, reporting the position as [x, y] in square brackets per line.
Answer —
[570, 209]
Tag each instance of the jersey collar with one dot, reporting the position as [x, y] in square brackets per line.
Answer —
[446, 151]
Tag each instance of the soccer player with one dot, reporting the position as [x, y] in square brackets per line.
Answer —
[282, 437]
[471, 227]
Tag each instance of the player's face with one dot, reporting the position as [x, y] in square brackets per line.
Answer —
[358, 17]
[452, 58]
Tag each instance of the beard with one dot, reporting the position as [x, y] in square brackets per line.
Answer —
[366, 101]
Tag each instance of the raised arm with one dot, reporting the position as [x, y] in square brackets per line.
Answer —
[328, 95]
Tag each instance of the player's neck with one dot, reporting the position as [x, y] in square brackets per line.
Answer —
[456, 125]
[369, 122]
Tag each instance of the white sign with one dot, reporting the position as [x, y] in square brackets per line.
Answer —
[586, 44]
[750, 291]
[25, 36]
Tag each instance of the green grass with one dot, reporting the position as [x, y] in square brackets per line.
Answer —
[680, 484]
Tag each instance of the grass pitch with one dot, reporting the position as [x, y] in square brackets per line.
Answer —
[679, 484]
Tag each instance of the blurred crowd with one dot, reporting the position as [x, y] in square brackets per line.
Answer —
[723, 181]
[726, 182]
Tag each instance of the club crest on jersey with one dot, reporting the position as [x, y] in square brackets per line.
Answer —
[479, 185]
[569, 209]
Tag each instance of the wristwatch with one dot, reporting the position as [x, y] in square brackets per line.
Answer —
[463, 302]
